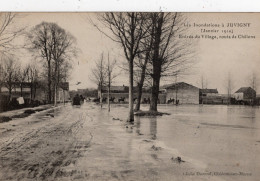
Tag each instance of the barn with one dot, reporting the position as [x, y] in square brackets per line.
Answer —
[122, 93]
[210, 96]
[245, 95]
[181, 92]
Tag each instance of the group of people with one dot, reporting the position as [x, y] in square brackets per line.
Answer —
[79, 99]
[172, 101]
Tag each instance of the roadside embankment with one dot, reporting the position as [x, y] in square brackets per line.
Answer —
[22, 113]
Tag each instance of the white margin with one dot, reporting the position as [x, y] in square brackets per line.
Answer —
[130, 5]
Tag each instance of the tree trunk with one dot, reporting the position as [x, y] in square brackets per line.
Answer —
[55, 95]
[10, 93]
[109, 83]
[108, 95]
[131, 83]
[139, 97]
[21, 90]
[31, 86]
[31, 93]
[34, 93]
[63, 96]
[140, 84]
[157, 63]
[56, 82]
[101, 97]
[49, 82]
[155, 92]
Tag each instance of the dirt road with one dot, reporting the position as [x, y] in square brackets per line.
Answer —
[40, 145]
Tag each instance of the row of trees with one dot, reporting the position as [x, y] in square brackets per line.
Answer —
[103, 74]
[56, 48]
[12, 73]
[151, 48]
[49, 44]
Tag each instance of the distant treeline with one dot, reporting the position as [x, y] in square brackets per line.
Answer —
[85, 93]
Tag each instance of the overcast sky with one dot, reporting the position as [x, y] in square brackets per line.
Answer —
[214, 58]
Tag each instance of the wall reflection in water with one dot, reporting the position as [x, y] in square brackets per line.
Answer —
[146, 126]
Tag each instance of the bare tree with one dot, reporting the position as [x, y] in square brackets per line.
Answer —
[65, 70]
[99, 75]
[33, 77]
[171, 56]
[54, 45]
[110, 76]
[229, 82]
[62, 47]
[8, 32]
[22, 75]
[128, 30]
[253, 81]
[10, 69]
[203, 82]
[143, 58]
[40, 43]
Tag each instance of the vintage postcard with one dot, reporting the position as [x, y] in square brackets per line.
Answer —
[130, 96]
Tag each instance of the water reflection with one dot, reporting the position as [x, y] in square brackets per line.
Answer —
[147, 126]
[138, 125]
[153, 127]
[227, 134]
[242, 113]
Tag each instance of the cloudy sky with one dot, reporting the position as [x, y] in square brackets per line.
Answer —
[214, 58]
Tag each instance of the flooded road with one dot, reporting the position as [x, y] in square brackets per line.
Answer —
[88, 143]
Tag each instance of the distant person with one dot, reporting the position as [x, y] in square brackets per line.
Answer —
[177, 102]
[81, 98]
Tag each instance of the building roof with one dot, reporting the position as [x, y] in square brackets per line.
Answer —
[177, 85]
[209, 91]
[243, 89]
[116, 88]
[122, 89]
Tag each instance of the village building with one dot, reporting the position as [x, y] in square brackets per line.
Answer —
[117, 93]
[257, 99]
[63, 92]
[210, 96]
[181, 93]
[245, 95]
[121, 94]
[208, 92]
[36, 92]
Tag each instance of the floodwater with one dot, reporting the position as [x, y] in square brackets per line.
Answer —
[194, 142]
[214, 138]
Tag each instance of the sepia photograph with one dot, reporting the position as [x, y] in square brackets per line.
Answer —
[129, 96]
